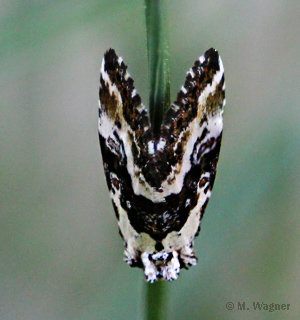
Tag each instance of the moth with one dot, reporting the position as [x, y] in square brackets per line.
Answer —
[160, 184]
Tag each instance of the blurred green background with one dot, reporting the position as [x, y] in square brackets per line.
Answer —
[60, 251]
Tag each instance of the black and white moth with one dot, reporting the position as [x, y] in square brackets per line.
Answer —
[160, 185]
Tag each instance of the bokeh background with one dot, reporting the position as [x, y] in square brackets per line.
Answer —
[60, 251]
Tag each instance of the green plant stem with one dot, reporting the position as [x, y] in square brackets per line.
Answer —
[158, 62]
[159, 101]
[156, 300]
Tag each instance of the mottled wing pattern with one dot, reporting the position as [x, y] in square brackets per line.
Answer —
[160, 185]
